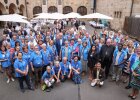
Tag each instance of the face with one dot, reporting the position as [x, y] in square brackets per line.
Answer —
[120, 47]
[17, 48]
[138, 50]
[64, 60]
[3, 48]
[93, 48]
[51, 42]
[84, 44]
[108, 42]
[66, 43]
[26, 49]
[19, 55]
[98, 65]
[36, 48]
[48, 70]
[75, 58]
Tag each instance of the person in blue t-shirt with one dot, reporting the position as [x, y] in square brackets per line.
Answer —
[36, 65]
[21, 72]
[76, 70]
[65, 69]
[57, 70]
[6, 63]
[48, 78]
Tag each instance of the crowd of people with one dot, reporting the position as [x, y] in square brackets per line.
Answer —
[47, 56]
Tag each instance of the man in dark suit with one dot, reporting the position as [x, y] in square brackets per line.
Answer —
[59, 42]
[98, 75]
[106, 56]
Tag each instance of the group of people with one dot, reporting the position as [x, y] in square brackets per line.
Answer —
[49, 56]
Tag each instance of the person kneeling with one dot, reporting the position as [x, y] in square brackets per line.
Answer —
[98, 75]
[48, 79]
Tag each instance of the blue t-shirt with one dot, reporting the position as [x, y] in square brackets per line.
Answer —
[47, 75]
[21, 65]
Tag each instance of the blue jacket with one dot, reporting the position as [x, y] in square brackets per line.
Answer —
[36, 59]
[84, 53]
[26, 57]
[69, 52]
[21, 65]
[121, 57]
[7, 62]
[46, 56]
[56, 69]
[133, 58]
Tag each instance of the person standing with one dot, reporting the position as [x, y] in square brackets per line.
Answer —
[93, 57]
[21, 72]
[36, 65]
[106, 55]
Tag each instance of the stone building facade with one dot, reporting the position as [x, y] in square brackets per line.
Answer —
[117, 9]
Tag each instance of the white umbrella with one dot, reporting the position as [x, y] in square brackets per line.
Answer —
[12, 18]
[57, 16]
[138, 16]
[20, 16]
[72, 15]
[96, 15]
[43, 16]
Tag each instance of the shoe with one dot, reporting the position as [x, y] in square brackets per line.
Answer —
[133, 97]
[22, 90]
[31, 88]
[128, 87]
[8, 81]
[130, 96]
[48, 90]
[12, 79]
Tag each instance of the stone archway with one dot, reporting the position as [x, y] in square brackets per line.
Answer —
[12, 8]
[2, 12]
[22, 10]
[37, 9]
[67, 9]
[82, 10]
[52, 9]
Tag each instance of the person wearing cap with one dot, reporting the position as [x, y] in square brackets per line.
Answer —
[36, 61]
[57, 70]
[76, 70]
[48, 79]
[65, 69]
[66, 51]
[46, 55]
[21, 72]
[98, 75]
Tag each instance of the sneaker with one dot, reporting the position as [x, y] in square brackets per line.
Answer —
[12, 79]
[48, 90]
[8, 81]
[128, 87]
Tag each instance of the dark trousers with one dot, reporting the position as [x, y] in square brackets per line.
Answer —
[38, 74]
[22, 79]
[106, 65]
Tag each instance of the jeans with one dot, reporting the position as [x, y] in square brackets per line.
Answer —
[22, 79]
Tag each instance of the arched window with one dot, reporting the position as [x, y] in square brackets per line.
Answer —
[59, 2]
[37, 9]
[12, 8]
[52, 9]
[82, 10]
[67, 9]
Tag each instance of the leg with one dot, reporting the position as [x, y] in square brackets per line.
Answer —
[36, 77]
[107, 69]
[26, 78]
[20, 79]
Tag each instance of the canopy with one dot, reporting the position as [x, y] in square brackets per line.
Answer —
[137, 16]
[72, 15]
[96, 15]
[13, 18]
[57, 16]
[43, 16]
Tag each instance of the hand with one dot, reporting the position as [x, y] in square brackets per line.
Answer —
[77, 72]
[69, 76]
[33, 69]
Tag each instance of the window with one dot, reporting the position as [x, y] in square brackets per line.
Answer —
[6, 1]
[59, 2]
[117, 14]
